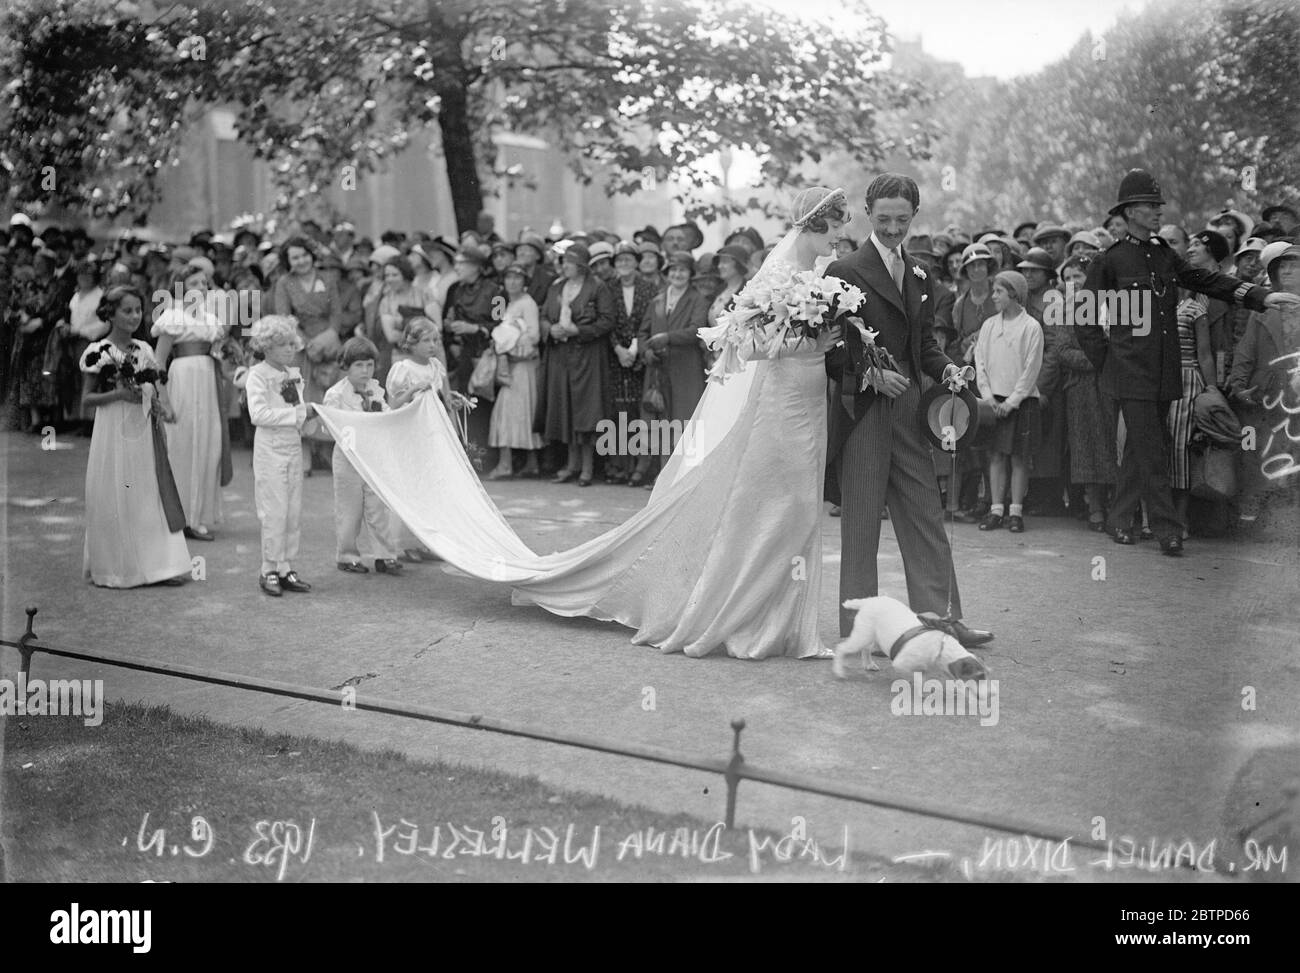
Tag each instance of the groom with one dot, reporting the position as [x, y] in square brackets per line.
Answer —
[877, 453]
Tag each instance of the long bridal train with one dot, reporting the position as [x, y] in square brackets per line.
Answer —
[727, 553]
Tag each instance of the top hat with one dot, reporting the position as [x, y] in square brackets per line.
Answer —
[956, 420]
[1138, 186]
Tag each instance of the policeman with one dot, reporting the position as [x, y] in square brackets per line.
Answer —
[1135, 283]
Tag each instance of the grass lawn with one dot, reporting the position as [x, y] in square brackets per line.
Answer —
[226, 804]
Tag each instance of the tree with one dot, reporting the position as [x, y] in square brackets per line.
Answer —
[1201, 93]
[642, 90]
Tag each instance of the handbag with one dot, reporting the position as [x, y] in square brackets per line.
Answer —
[503, 371]
[652, 393]
[1213, 473]
[482, 381]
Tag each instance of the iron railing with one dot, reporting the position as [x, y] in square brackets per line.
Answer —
[733, 770]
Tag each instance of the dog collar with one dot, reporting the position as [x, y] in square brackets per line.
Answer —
[910, 634]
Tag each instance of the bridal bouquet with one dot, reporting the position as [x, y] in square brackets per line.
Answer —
[769, 318]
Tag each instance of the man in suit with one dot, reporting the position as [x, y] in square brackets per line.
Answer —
[877, 451]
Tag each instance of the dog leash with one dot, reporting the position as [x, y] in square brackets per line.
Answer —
[953, 485]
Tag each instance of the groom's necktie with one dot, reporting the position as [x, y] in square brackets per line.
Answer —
[896, 268]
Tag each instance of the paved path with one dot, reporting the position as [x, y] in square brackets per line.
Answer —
[1120, 699]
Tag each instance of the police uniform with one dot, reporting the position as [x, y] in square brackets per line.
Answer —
[1139, 362]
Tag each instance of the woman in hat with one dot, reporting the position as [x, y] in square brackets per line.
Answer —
[1206, 250]
[503, 255]
[747, 238]
[577, 318]
[670, 343]
[352, 309]
[530, 251]
[651, 264]
[431, 266]
[706, 279]
[304, 293]
[473, 307]
[1090, 417]
[633, 294]
[198, 443]
[516, 338]
[733, 273]
[385, 317]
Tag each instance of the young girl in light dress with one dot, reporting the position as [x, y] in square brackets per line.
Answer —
[133, 513]
[418, 372]
[197, 444]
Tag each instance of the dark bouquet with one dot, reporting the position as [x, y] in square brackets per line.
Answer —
[289, 391]
[115, 373]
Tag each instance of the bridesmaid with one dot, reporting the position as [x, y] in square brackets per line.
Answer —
[304, 293]
[133, 514]
[198, 445]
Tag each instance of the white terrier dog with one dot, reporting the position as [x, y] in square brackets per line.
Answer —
[879, 623]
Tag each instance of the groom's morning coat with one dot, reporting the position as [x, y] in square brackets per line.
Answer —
[905, 323]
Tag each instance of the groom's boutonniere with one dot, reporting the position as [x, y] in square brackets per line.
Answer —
[918, 271]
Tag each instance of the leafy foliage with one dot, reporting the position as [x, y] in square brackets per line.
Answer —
[644, 90]
[1201, 93]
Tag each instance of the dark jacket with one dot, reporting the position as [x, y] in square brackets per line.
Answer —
[573, 371]
[905, 323]
[1255, 359]
[682, 363]
[1141, 359]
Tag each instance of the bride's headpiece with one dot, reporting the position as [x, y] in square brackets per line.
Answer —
[811, 202]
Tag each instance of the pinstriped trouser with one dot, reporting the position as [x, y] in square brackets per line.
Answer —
[886, 461]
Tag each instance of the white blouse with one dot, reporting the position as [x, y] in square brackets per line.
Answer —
[407, 373]
[1008, 357]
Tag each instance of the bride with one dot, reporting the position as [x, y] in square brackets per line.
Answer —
[727, 553]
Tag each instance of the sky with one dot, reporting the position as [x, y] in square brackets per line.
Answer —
[1002, 38]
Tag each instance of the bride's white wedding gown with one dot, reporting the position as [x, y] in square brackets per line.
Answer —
[727, 553]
